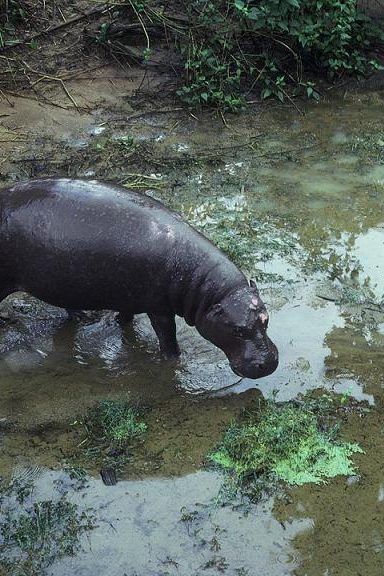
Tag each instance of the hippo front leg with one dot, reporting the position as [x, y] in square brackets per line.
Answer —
[165, 327]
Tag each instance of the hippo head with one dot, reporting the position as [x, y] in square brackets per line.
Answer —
[238, 325]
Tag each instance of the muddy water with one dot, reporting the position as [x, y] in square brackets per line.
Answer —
[304, 196]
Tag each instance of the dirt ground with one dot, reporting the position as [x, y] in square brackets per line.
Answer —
[59, 89]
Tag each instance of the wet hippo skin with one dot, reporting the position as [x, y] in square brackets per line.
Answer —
[87, 245]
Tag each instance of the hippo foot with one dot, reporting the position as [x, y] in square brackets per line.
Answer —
[124, 318]
[170, 353]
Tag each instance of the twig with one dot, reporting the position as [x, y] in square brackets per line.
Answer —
[212, 392]
[327, 298]
[141, 23]
[54, 79]
[35, 99]
[35, 159]
[7, 99]
[51, 79]
[223, 119]
[143, 176]
[61, 14]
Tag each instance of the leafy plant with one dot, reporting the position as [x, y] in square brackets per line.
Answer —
[231, 224]
[230, 47]
[116, 420]
[285, 443]
[11, 13]
[212, 81]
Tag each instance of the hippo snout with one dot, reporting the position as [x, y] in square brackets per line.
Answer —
[256, 365]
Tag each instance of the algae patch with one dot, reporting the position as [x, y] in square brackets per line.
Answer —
[285, 443]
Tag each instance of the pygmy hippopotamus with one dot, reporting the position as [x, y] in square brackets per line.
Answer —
[87, 245]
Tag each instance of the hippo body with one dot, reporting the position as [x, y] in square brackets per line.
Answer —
[87, 245]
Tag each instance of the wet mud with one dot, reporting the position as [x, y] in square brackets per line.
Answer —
[298, 202]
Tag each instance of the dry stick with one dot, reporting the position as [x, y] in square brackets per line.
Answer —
[34, 159]
[92, 12]
[54, 79]
[223, 119]
[14, 139]
[50, 79]
[61, 14]
[72, 75]
[141, 23]
[36, 99]
[6, 98]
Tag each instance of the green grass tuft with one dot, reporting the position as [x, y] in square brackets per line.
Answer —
[116, 421]
[110, 428]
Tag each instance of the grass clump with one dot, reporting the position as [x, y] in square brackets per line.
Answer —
[111, 427]
[116, 420]
[286, 444]
[34, 534]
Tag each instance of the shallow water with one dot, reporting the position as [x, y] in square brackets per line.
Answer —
[169, 526]
[306, 197]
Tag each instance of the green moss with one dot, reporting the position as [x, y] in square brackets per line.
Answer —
[285, 443]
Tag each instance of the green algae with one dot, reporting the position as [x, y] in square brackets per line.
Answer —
[286, 444]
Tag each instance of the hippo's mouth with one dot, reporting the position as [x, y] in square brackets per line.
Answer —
[254, 370]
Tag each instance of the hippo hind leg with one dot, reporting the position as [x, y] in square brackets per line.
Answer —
[165, 327]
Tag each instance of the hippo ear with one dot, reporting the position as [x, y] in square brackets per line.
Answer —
[252, 283]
